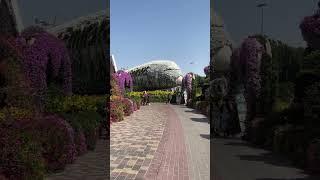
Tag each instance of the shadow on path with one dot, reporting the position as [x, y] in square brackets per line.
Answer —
[268, 158]
[200, 119]
[253, 163]
[206, 136]
[193, 111]
[307, 178]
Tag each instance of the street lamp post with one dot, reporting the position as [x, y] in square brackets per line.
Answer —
[262, 5]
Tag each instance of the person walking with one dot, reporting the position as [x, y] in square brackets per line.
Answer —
[169, 97]
[144, 98]
[185, 96]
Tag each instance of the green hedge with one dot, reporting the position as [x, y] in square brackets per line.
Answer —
[155, 96]
[88, 121]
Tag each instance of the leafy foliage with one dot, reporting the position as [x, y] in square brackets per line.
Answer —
[155, 96]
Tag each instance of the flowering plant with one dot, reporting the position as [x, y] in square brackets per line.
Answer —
[207, 70]
[116, 111]
[250, 57]
[128, 106]
[45, 58]
[310, 28]
[124, 80]
[187, 82]
[57, 137]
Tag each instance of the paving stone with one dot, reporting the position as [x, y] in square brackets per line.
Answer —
[196, 129]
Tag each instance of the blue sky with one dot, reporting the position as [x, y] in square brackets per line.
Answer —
[145, 30]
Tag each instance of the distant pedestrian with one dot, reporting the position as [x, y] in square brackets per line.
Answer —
[185, 96]
[144, 98]
[169, 97]
[148, 100]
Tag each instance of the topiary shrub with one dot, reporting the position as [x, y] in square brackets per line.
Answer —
[57, 139]
[135, 108]
[80, 142]
[202, 106]
[116, 110]
[89, 123]
[46, 60]
[20, 152]
[128, 106]
[79, 137]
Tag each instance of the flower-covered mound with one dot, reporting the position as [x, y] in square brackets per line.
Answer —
[154, 75]
[125, 80]
[45, 60]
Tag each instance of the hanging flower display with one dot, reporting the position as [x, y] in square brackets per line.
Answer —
[45, 58]
[187, 82]
[124, 80]
[206, 70]
[310, 29]
[250, 57]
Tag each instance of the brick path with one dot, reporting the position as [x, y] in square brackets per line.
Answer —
[171, 161]
[134, 142]
[91, 166]
[196, 132]
[149, 145]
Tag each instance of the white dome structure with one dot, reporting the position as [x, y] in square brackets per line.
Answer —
[158, 74]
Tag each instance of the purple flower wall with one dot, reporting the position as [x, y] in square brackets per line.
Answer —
[41, 51]
[125, 80]
[310, 29]
[187, 82]
[206, 70]
[250, 57]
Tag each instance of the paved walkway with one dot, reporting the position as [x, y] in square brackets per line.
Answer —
[91, 166]
[233, 159]
[135, 141]
[153, 144]
[197, 134]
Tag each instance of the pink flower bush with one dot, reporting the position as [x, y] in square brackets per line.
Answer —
[125, 80]
[250, 57]
[207, 70]
[310, 29]
[187, 82]
[57, 138]
[128, 106]
[42, 54]
[80, 142]
[116, 111]
[135, 107]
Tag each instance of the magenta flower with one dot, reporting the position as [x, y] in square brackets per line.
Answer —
[125, 80]
[187, 82]
[43, 53]
[310, 29]
[207, 70]
[250, 57]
